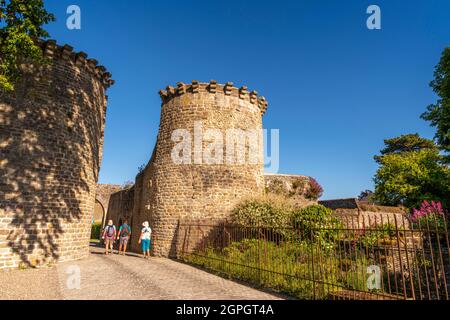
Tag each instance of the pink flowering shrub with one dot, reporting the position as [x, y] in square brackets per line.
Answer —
[315, 190]
[430, 214]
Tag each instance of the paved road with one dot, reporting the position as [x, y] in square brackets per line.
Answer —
[123, 277]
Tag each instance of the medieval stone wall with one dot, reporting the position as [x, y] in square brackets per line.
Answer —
[120, 206]
[51, 140]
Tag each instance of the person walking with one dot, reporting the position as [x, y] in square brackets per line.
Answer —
[123, 236]
[145, 239]
[109, 235]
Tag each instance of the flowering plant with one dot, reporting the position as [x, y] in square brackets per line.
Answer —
[315, 190]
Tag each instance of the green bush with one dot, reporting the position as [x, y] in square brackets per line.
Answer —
[270, 211]
[96, 231]
[378, 235]
[316, 224]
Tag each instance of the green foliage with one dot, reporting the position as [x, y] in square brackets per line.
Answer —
[316, 224]
[21, 24]
[430, 216]
[366, 195]
[409, 177]
[96, 231]
[439, 113]
[286, 267]
[313, 223]
[127, 185]
[432, 222]
[271, 210]
[377, 235]
[407, 143]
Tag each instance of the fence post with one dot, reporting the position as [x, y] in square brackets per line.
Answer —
[223, 246]
[400, 258]
[259, 254]
[312, 257]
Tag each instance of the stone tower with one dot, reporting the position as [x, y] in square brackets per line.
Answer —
[51, 140]
[208, 156]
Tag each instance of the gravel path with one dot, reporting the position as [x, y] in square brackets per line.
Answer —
[123, 277]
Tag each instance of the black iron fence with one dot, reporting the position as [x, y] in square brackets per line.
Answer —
[357, 258]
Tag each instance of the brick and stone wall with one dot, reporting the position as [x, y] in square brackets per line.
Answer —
[50, 153]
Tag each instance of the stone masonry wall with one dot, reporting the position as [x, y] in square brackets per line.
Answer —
[51, 140]
[292, 186]
[120, 206]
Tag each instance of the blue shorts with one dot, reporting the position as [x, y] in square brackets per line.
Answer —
[145, 244]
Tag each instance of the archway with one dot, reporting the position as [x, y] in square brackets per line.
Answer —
[99, 213]
[98, 220]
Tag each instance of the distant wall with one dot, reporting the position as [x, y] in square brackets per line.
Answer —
[120, 206]
[103, 193]
[358, 215]
[351, 203]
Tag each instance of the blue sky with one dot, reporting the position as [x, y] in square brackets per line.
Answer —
[335, 89]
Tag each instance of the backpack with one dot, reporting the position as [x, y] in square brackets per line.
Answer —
[110, 231]
[125, 230]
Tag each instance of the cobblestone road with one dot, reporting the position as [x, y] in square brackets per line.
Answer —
[123, 277]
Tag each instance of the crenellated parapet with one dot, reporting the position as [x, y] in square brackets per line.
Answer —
[212, 87]
[51, 50]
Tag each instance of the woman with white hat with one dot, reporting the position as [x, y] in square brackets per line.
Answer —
[145, 238]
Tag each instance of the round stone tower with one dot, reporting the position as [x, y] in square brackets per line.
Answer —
[50, 152]
[208, 156]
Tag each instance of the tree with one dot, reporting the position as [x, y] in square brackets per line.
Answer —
[406, 143]
[411, 171]
[439, 113]
[21, 24]
[366, 195]
[127, 185]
